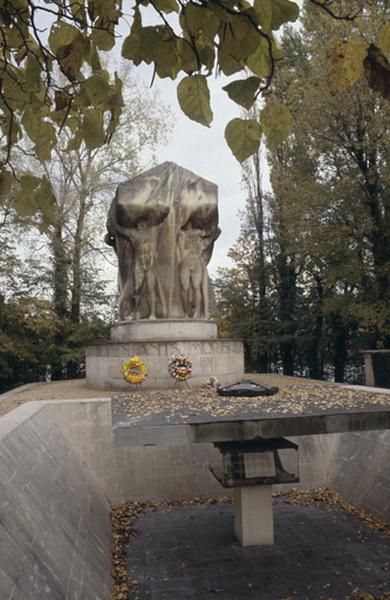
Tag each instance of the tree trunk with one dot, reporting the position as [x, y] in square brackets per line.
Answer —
[340, 339]
[263, 311]
[314, 358]
[287, 305]
[60, 273]
[76, 263]
[60, 296]
[73, 367]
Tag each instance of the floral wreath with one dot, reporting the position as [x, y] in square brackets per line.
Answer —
[180, 367]
[134, 370]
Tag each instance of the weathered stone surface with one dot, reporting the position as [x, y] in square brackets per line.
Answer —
[162, 225]
[164, 329]
[223, 359]
[54, 519]
[360, 470]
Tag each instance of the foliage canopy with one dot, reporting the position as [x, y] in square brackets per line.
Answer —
[52, 76]
[309, 287]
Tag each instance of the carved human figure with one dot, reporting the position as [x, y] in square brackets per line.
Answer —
[192, 245]
[162, 225]
[144, 240]
[141, 283]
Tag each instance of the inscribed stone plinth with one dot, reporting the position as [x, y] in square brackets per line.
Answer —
[221, 358]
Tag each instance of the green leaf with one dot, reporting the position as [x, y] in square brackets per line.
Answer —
[206, 54]
[46, 201]
[152, 44]
[282, 12]
[35, 195]
[92, 128]
[166, 6]
[98, 88]
[197, 20]
[62, 99]
[165, 55]
[132, 45]
[75, 142]
[276, 122]
[104, 40]
[116, 105]
[25, 198]
[6, 181]
[238, 40]
[188, 59]
[222, 15]
[259, 62]
[228, 63]
[78, 11]
[243, 137]
[70, 58]
[41, 132]
[13, 36]
[384, 38]
[62, 34]
[263, 10]
[344, 62]
[243, 91]
[194, 99]
[12, 91]
[33, 73]
[92, 57]
[46, 141]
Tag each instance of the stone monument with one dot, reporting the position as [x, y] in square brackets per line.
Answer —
[162, 226]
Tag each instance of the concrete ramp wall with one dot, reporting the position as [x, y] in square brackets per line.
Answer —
[357, 465]
[55, 532]
[360, 470]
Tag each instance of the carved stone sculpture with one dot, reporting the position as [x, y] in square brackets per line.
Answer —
[163, 225]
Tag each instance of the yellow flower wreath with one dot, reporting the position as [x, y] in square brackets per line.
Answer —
[134, 370]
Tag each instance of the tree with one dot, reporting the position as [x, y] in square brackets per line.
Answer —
[54, 82]
[70, 247]
[328, 284]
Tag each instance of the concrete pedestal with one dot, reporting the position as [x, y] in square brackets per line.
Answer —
[145, 330]
[210, 357]
[253, 515]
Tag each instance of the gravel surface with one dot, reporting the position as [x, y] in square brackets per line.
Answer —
[70, 389]
[182, 405]
[73, 389]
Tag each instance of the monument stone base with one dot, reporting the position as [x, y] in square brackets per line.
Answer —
[155, 341]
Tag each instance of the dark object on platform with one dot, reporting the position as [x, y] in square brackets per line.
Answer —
[255, 462]
[248, 388]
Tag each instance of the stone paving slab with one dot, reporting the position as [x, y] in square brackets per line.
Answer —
[190, 553]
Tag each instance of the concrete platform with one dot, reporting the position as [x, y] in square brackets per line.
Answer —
[200, 418]
[190, 553]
